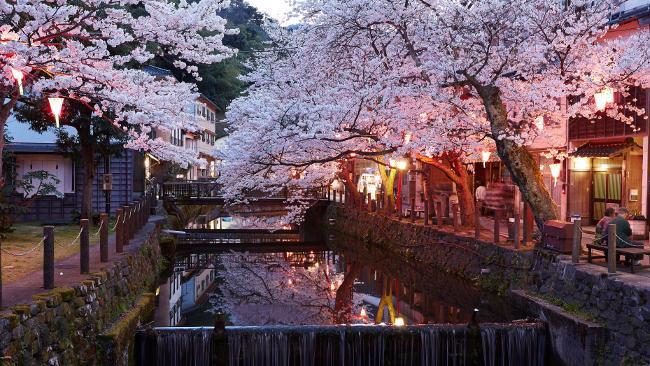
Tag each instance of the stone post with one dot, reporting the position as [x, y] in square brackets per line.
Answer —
[454, 215]
[611, 250]
[577, 241]
[103, 238]
[516, 228]
[426, 212]
[496, 226]
[477, 220]
[84, 252]
[119, 230]
[48, 257]
[413, 209]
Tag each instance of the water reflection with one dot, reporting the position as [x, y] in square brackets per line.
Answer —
[317, 287]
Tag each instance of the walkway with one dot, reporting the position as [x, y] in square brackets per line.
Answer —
[67, 272]
[487, 234]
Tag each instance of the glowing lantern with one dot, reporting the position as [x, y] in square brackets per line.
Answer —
[407, 138]
[539, 122]
[603, 97]
[290, 282]
[485, 155]
[402, 164]
[363, 313]
[56, 104]
[336, 184]
[332, 286]
[555, 171]
[399, 322]
[18, 75]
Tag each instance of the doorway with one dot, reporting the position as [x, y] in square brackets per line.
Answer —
[607, 192]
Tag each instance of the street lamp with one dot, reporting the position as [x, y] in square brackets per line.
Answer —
[485, 155]
[19, 76]
[56, 104]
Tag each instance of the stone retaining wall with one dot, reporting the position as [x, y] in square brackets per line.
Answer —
[63, 326]
[608, 316]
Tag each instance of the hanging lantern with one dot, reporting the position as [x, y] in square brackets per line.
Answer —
[485, 155]
[56, 104]
[363, 313]
[555, 171]
[18, 75]
[539, 122]
[603, 97]
[336, 184]
[407, 138]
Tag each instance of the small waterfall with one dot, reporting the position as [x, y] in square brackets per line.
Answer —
[510, 345]
[352, 345]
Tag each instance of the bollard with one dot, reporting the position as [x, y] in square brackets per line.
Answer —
[516, 229]
[125, 225]
[496, 226]
[119, 230]
[426, 213]
[577, 241]
[48, 257]
[412, 209]
[103, 237]
[477, 220]
[455, 215]
[611, 250]
[439, 212]
[84, 241]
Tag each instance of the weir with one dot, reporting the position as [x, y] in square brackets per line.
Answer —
[490, 344]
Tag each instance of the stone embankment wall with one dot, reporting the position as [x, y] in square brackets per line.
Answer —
[82, 324]
[594, 319]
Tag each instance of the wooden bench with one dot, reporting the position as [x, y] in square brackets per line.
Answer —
[630, 254]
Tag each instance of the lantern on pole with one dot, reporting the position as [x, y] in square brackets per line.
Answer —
[485, 155]
[539, 122]
[19, 76]
[56, 104]
[555, 172]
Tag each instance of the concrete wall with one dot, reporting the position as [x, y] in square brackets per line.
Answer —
[77, 325]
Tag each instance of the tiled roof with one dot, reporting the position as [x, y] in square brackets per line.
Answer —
[33, 148]
[156, 71]
[604, 149]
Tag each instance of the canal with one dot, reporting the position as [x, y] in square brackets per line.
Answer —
[317, 304]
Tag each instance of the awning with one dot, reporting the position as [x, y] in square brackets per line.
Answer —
[605, 149]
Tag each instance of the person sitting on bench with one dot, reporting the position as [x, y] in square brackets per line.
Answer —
[603, 225]
[623, 230]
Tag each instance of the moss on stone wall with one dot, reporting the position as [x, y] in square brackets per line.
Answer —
[62, 326]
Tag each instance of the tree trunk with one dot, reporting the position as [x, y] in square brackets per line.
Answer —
[465, 197]
[5, 111]
[523, 168]
[88, 162]
[343, 300]
[388, 183]
[456, 171]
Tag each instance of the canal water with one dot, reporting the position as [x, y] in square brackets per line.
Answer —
[288, 308]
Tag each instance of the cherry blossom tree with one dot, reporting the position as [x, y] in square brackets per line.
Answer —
[447, 73]
[93, 52]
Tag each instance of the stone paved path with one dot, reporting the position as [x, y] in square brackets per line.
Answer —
[67, 272]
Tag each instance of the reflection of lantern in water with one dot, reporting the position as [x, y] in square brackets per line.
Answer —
[363, 313]
[332, 286]
[399, 322]
[555, 172]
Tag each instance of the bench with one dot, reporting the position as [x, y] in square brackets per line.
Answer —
[630, 254]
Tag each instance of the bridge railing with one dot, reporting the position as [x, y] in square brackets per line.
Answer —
[188, 189]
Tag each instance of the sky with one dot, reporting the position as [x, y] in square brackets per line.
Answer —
[277, 9]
